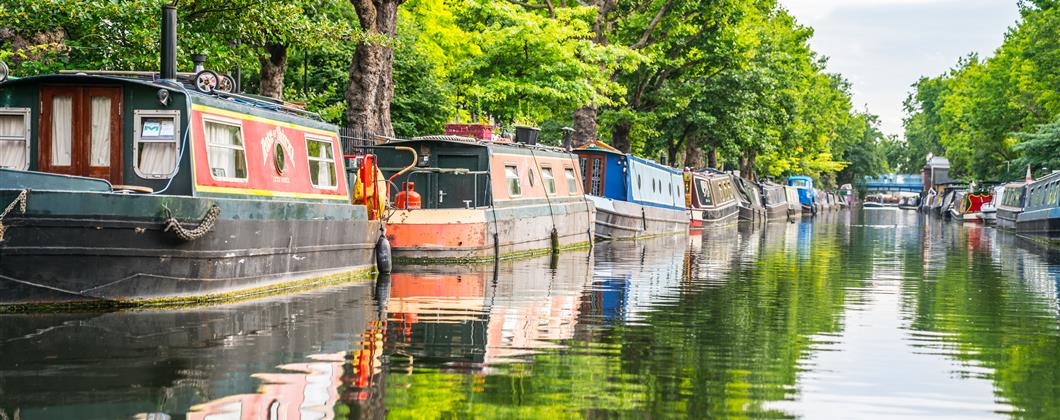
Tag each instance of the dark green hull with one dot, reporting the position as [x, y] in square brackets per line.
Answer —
[107, 248]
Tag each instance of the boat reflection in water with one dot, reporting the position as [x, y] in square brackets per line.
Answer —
[471, 317]
[162, 363]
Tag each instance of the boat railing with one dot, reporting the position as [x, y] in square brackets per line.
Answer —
[446, 188]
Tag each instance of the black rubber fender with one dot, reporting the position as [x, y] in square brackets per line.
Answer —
[384, 261]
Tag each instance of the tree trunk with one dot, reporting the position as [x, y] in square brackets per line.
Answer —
[747, 164]
[712, 158]
[584, 126]
[371, 86]
[273, 67]
[620, 137]
[693, 155]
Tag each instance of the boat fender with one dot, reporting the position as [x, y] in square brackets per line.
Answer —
[383, 259]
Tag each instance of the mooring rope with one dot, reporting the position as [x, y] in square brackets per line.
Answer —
[204, 227]
[21, 202]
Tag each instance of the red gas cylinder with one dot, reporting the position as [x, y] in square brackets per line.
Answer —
[408, 198]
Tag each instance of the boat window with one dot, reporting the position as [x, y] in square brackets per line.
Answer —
[799, 183]
[511, 172]
[224, 150]
[703, 191]
[156, 142]
[14, 135]
[321, 162]
[572, 180]
[549, 180]
[530, 176]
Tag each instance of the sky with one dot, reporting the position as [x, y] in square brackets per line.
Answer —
[883, 46]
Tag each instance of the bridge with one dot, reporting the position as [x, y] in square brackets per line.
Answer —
[895, 182]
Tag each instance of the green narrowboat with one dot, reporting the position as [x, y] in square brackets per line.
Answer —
[482, 199]
[145, 188]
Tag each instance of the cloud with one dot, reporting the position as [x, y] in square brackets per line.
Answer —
[883, 46]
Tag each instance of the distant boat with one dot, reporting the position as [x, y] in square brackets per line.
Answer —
[1009, 200]
[807, 195]
[634, 197]
[775, 201]
[749, 196]
[968, 206]
[711, 199]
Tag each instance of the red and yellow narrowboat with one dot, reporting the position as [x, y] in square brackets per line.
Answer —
[146, 188]
[480, 199]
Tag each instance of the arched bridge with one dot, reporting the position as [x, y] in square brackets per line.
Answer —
[895, 182]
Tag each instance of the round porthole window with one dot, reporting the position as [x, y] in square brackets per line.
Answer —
[279, 159]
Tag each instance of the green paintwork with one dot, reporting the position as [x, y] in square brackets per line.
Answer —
[145, 206]
[28, 180]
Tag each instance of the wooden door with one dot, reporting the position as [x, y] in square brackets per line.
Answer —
[593, 171]
[80, 131]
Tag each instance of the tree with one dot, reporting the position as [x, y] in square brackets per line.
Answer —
[371, 86]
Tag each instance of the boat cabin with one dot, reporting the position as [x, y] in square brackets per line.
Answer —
[453, 172]
[710, 190]
[149, 135]
[620, 176]
[804, 185]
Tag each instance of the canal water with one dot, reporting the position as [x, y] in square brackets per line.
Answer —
[855, 315]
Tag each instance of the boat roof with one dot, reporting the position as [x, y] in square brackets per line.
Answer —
[599, 146]
[474, 142]
[150, 80]
[800, 177]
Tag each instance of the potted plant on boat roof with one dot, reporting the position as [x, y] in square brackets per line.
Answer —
[526, 130]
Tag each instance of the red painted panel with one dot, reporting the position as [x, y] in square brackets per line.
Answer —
[259, 140]
[464, 235]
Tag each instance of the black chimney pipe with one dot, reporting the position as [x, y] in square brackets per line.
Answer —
[168, 42]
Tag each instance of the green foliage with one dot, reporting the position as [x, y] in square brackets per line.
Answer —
[971, 113]
[1039, 147]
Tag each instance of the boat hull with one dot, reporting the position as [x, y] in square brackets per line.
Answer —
[1006, 218]
[717, 216]
[510, 230]
[624, 220]
[1043, 223]
[114, 248]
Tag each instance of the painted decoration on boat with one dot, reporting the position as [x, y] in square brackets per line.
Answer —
[224, 165]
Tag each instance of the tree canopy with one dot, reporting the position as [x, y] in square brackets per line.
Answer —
[992, 116]
[724, 83]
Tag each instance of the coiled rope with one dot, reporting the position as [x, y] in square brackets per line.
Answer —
[204, 227]
[21, 202]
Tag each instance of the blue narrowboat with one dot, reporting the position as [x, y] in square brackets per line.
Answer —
[634, 197]
[807, 195]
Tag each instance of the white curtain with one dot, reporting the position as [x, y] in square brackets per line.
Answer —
[223, 161]
[13, 141]
[62, 129]
[101, 106]
[158, 158]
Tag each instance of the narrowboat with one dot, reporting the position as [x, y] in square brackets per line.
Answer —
[711, 199]
[968, 206]
[1009, 201]
[774, 199]
[145, 189]
[466, 199]
[846, 195]
[634, 197]
[807, 198]
[749, 196]
[1041, 214]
